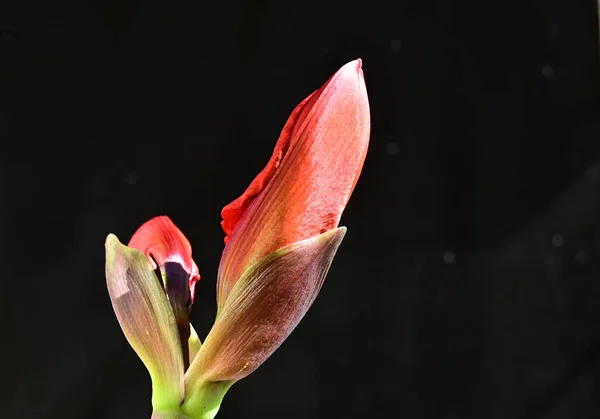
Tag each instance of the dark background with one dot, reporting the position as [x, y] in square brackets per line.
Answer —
[468, 283]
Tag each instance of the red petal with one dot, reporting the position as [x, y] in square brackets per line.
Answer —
[327, 138]
[232, 213]
[161, 241]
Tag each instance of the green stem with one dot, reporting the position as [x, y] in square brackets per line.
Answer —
[168, 415]
[206, 401]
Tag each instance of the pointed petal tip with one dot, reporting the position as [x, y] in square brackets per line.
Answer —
[341, 232]
[111, 248]
[111, 240]
[354, 66]
[335, 236]
[351, 78]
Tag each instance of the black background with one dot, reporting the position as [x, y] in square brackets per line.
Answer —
[468, 283]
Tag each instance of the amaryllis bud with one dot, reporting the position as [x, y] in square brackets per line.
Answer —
[307, 182]
[169, 252]
[151, 287]
[281, 236]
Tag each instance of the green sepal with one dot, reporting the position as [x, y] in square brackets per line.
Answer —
[260, 312]
[147, 320]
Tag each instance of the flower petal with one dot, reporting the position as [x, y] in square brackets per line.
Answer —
[162, 242]
[310, 187]
[146, 319]
[232, 212]
[263, 308]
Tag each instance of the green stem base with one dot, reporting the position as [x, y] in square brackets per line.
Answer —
[168, 415]
[206, 401]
